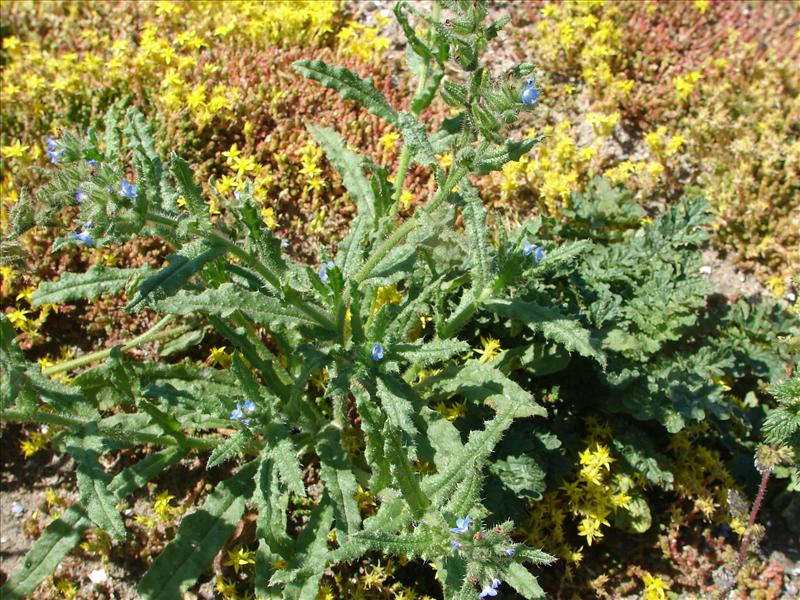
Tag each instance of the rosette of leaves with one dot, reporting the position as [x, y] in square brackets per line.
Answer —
[288, 324]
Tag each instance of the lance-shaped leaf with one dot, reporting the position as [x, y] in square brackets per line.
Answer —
[285, 459]
[63, 534]
[350, 253]
[415, 543]
[521, 580]
[403, 475]
[482, 383]
[200, 537]
[340, 483]
[85, 286]
[229, 448]
[398, 400]
[476, 236]
[417, 141]
[440, 487]
[229, 297]
[348, 164]
[190, 191]
[428, 353]
[372, 424]
[182, 266]
[307, 566]
[495, 159]
[551, 324]
[349, 85]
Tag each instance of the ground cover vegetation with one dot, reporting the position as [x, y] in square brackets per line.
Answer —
[415, 328]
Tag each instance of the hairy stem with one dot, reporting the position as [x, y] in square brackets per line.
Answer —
[151, 335]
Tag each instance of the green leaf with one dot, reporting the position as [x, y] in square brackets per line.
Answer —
[348, 164]
[475, 231]
[439, 487]
[192, 257]
[229, 448]
[85, 286]
[340, 483]
[417, 141]
[200, 537]
[403, 474]
[520, 474]
[286, 461]
[398, 400]
[93, 482]
[551, 324]
[425, 354]
[230, 297]
[190, 190]
[63, 534]
[372, 425]
[349, 85]
[521, 580]
[494, 160]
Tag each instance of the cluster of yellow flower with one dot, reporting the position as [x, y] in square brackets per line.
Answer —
[363, 42]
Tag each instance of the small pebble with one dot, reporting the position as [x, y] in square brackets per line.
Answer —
[98, 576]
[705, 270]
[17, 509]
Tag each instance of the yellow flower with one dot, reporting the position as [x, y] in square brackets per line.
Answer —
[268, 214]
[35, 442]
[243, 164]
[218, 356]
[389, 139]
[225, 183]
[162, 506]
[675, 144]
[240, 558]
[197, 97]
[491, 348]
[227, 589]
[684, 85]
[701, 5]
[15, 150]
[589, 528]
[654, 588]
[446, 160]
[405, 198]
[18, 317]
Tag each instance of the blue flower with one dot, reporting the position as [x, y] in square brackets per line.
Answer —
[496, 583]
[461, 525]
[538, 254]
[323, 270]
[249, 406]
[487, 591]
[54, 155]
[511, 552]
[284, 244]
[376, 352]
[80, 196]
[454, 545]
[51, 143]
[527, 248]
[91, 163]
[237, 413]
[84, 237]
[127, 189]
[237, 194]
[530, 94]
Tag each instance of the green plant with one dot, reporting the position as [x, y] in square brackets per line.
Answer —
[369, 425]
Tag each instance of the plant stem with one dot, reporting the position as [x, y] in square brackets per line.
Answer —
[124, 435]
[762, 488]
[151, 335]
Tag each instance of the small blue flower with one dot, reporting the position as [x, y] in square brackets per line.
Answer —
[91, 163]
[462, 525]
[511, 552]
[80, 196]
[454, 545]
[89, 224]
[84, 237]
[530, 94]
[496, 583]
[127, 189]
[51, 143]
[376, 352]
[487, 591]
[249, 406]
[527, 248]
[323, 270]
[538, 254]
[54, 155]
[237, 413]
[237, 194]
[284, 244]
